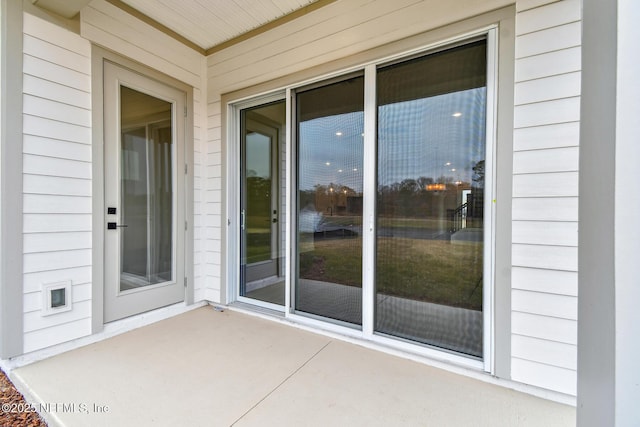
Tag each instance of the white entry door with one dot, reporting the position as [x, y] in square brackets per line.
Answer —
[144, 128]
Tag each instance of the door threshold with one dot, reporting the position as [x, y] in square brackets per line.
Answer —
[253, 309]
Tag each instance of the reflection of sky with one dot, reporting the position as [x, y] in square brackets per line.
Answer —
[423, 138]
[417, 138]
[258, 155]
[327, 158]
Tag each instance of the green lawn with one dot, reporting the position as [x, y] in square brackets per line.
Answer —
[427, 270]
[258, 245]
[436, 271]
[427, 223]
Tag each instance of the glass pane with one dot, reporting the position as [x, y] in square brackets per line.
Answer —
[258, 188]
[330, 123]
[429, 243]
[146, 190]
[263, 203]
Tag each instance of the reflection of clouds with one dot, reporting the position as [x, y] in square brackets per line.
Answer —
[417, 138]
[422, 138]
[258, 155]
[326, 157]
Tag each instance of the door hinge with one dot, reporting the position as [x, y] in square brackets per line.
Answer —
[186, 168]
[185, 282]
[185, 111]
[186, 224]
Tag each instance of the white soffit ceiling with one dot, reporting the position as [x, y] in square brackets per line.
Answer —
[208, 23]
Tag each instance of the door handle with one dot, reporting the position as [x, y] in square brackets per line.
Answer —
[242, 224]
[113, 225]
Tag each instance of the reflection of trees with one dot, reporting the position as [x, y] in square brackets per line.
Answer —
[259, 194]
[332, 199]
[420, 197]
[415, 198]
[478, 173]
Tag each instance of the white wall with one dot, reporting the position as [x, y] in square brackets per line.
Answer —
[56, 179]
[545, 194]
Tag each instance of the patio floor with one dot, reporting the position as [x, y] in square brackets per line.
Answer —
[211, 368]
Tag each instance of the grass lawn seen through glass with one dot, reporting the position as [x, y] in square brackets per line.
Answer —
[437, 271]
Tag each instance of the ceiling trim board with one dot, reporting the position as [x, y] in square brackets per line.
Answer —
[270, 25]
[224, 45]
[155, 24]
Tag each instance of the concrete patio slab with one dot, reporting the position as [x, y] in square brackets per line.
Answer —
[347, 385]
[227, 368]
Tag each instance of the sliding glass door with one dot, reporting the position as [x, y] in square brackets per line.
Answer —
[430, 181]
[385, 177]
[428, 215]
[262, 133]
[330, 126]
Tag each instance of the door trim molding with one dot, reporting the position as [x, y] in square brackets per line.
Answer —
[98, 57]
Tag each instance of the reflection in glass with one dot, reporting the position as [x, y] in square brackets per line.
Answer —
[330, 126]
[262, 202]
[146, 190]
[258, 192]
[429, 243]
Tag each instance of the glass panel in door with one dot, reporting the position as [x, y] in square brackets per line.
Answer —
[144, 142]
[146, 190]
[262, 203]
[431, 156]
[330, 126]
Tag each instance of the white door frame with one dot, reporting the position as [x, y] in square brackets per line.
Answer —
[186, 253]
[367, 332]
[233, 200]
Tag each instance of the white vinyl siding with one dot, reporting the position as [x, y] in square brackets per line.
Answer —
[108, 26]
[199, 135]
[212, 205]
[115, 29]
[545, 194]
[56, 179]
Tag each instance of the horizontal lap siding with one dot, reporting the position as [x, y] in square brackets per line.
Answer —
[545, 194]
[116, 30]
[212, 268]
[200, 132]
[56, 179]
